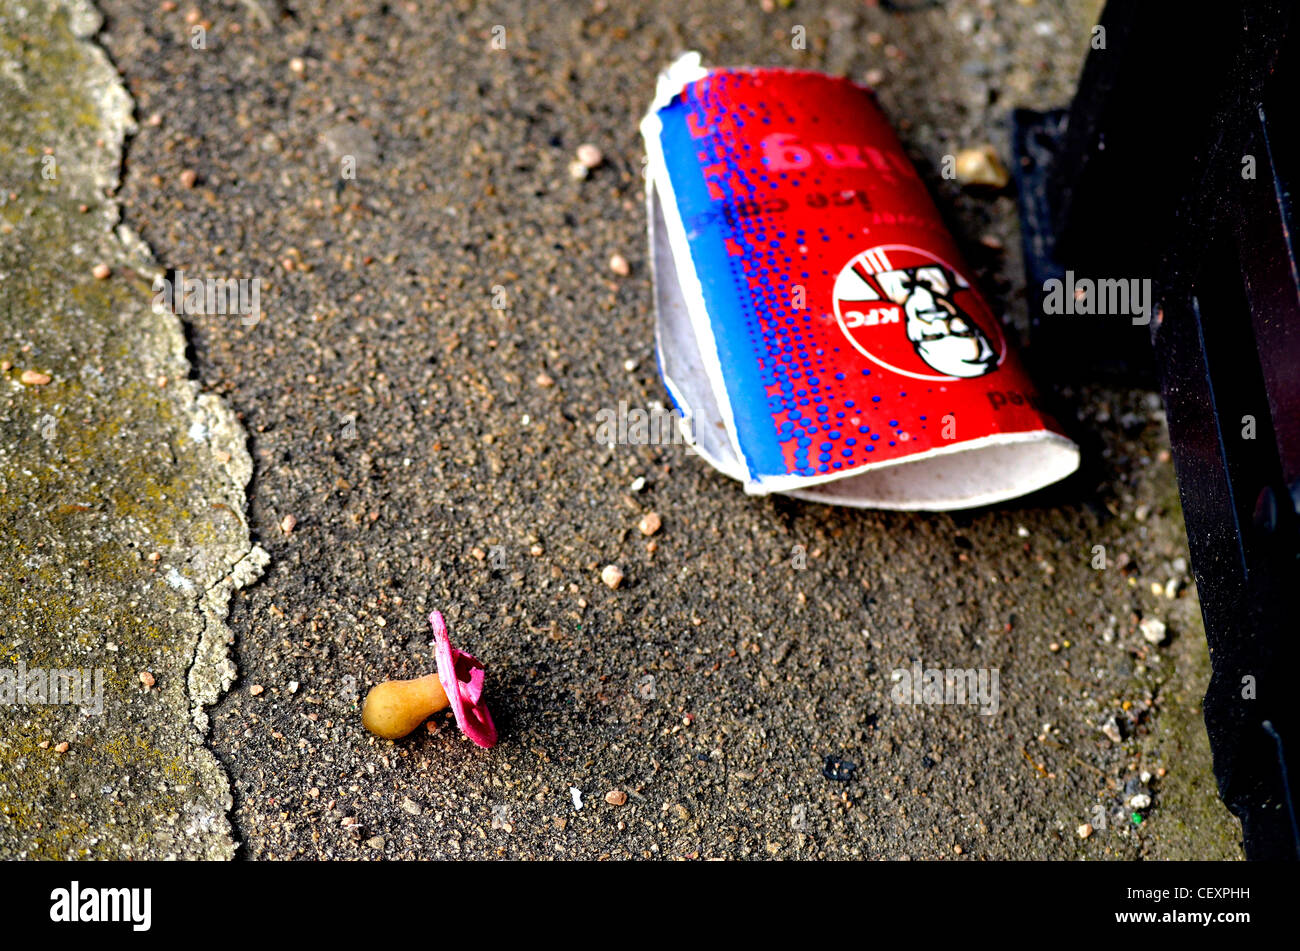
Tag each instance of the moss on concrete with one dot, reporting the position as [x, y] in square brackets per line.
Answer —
[122, 489]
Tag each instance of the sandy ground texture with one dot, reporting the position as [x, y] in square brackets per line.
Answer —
[414, 446]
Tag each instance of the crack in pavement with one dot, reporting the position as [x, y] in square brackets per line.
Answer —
[117, 477]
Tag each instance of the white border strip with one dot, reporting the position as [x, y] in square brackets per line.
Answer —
[672, 81]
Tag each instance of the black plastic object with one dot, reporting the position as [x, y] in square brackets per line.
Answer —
[1177, 161]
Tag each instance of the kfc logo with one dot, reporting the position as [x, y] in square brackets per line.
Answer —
[909, 312]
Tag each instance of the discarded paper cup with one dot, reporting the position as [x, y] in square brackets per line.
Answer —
[815, 323]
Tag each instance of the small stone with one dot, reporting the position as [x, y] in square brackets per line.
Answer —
[536, 551]
[590, 156]
[288, 523]
[409, 805]
[101, 272]
[296, 65]
[34, 378]
[344, 140]
[62, 747]
[1153, 630]
[256, 690]
[650, 523]
[874, 76]
[189, 178]
[616, 797]
[619, 265]
[1140, 801]
[1144, 776]
[375, 842]
[612, 576]
[1084, 830]
[147, 678]
[293, 686]
[545, 379]
[638, 483]
[1112, 731]
[680, 812]
[981, 167]
[154, 556]
[578, 171]
[957, 850]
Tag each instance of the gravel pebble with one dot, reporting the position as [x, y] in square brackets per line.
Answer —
[981, 167]
[612, 576]
[1153, 630]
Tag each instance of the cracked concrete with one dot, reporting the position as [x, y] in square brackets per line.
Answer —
[122, 488]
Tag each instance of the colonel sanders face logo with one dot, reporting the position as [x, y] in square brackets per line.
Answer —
[911, 313]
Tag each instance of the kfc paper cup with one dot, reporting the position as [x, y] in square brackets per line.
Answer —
[816, 326]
